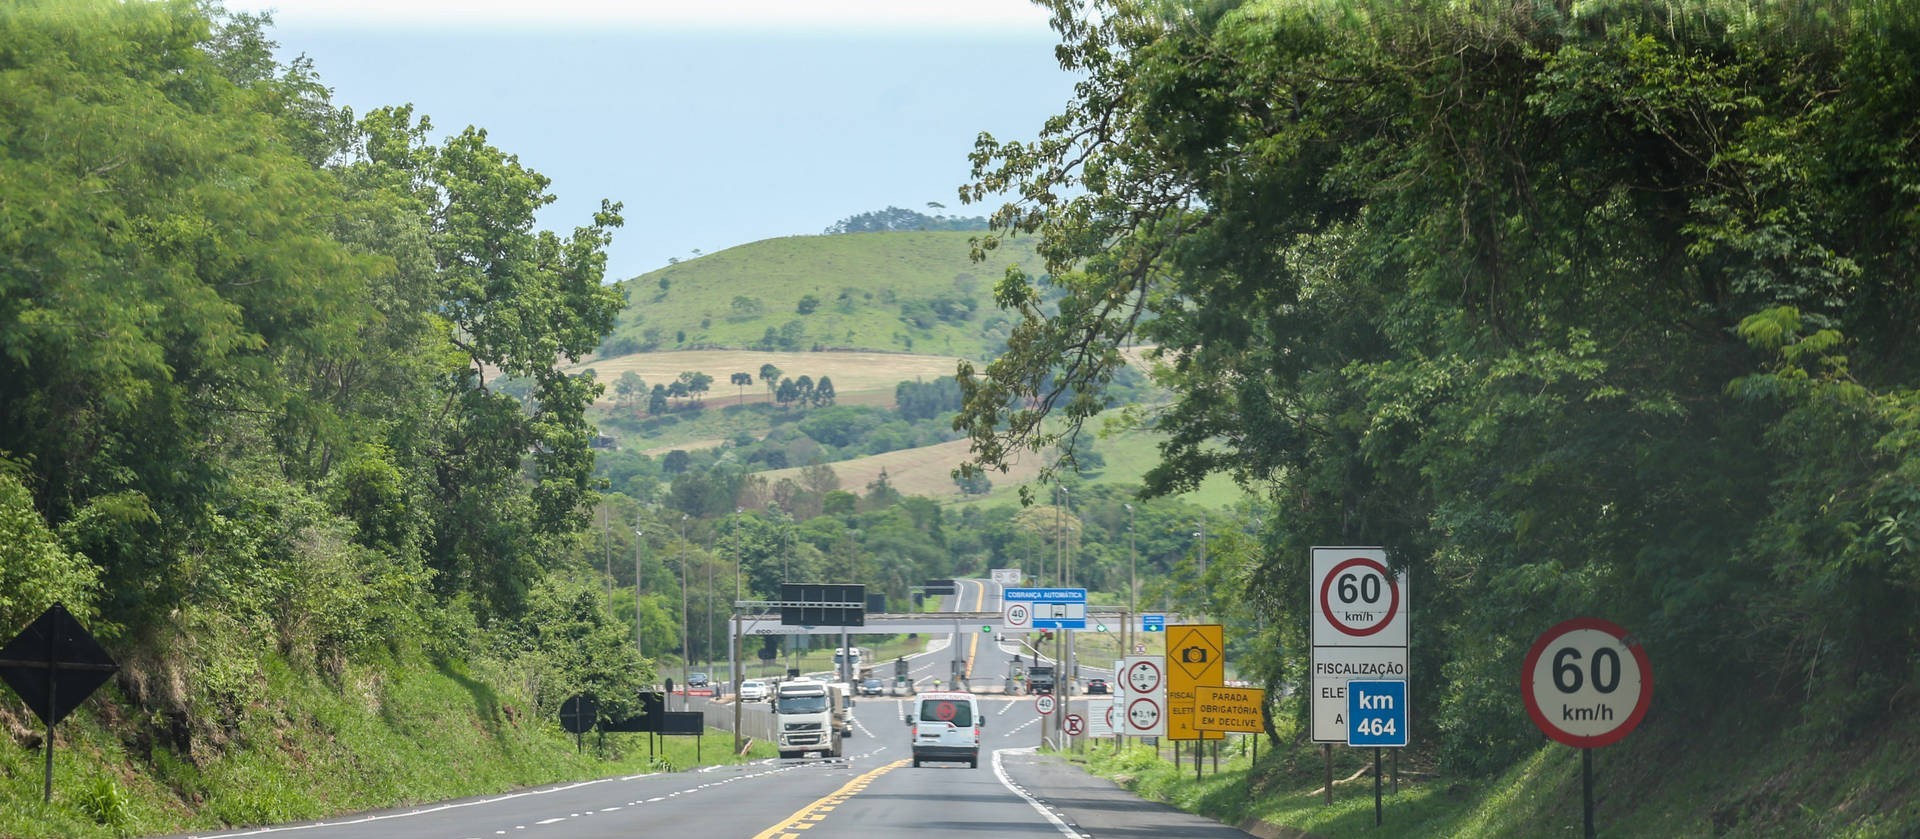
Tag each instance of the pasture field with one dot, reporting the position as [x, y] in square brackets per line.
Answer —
[857, 376]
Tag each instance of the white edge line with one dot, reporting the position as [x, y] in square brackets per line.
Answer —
[417, 812]
[1000, 772]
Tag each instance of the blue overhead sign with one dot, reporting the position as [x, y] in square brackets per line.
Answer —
[1153, 623]
[1377, 713]
[1053, 608]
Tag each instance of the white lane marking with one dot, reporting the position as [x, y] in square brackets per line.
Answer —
[493, 800]
[550, 821]
[1000, 771]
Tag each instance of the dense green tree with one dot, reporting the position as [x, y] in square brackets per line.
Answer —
[770, 376]
[628, 390]
[1578, 309]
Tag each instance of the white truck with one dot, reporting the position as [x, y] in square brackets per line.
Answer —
[806, 715]
[842, 707]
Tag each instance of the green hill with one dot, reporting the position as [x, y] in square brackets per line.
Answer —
[896, 291]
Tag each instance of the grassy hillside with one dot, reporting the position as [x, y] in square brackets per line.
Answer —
[897, 292]
[1685, 772]
[376, 735]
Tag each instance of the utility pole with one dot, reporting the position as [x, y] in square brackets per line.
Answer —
[638, 540]
[606, 545]
[686, 627]
[1133, 573]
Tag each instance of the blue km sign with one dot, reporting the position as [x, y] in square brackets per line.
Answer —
[1153, 623]
[1053, 608]
[1377, 714]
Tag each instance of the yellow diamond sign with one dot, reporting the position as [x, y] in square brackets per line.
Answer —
[1194, 658]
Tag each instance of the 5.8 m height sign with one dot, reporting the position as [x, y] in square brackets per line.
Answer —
[1359, 630]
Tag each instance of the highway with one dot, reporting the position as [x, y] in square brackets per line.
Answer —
[874, 791]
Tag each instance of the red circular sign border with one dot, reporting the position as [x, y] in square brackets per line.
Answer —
[1043, 700]
[1393, 585]
[1159, 678]
[1029, 611]
[1540, 718]
[1074, 724]
[1128, 714]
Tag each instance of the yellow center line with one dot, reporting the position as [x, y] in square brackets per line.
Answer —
[979, 603]
[813, 813]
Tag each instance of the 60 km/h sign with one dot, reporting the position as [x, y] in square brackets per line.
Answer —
[1359, 598]
[1587, 683]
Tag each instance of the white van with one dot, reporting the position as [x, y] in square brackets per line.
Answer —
[946, 726]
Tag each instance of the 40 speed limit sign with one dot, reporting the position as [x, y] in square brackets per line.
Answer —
[1587, 682]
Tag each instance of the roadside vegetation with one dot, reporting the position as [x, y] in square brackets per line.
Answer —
[316, 464]
[1595, 309]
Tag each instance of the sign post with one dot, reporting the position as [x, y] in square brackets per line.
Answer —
[1377, 717]
[54, 664]
[1587, 683]
[1195, 657]
[1359, 610]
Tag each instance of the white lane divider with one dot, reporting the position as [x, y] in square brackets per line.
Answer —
[1000, 772]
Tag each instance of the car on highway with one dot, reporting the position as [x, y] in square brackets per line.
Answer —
[1097, 686]
[872, 687]
[753, 690]
[945, 726]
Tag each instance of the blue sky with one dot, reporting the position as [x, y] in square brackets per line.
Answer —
[715, 125]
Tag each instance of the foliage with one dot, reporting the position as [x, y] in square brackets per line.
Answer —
[36, 571]
[1592, 309]
[278, 382]
[895, 218]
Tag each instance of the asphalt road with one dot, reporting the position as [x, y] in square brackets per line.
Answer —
[873, 792]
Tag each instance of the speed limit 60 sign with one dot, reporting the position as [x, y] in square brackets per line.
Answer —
[1587, 683]
[1359, 609]
[1357, 602]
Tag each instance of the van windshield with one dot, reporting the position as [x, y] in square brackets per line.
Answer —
[801, 704]
[947, 710]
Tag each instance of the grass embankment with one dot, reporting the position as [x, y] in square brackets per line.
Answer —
[1731, 776]
[402, 734]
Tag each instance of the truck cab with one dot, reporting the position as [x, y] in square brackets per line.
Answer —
[1040, 678]
[806, 716]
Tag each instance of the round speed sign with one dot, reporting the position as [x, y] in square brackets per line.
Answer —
[1587, 684]
[1043, 703]
[1359, 598]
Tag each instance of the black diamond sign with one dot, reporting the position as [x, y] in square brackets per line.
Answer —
[54, 664]
[578, 714]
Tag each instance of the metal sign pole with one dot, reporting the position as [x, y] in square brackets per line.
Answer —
[1326, 751]
[47, 797]
[738, 675]
[1586, 787]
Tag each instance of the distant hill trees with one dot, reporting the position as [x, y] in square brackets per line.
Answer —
[896, 219]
